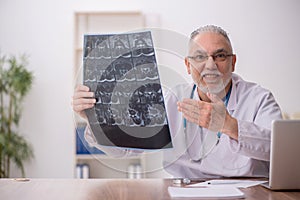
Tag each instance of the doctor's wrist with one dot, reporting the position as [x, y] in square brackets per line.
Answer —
[230, 127]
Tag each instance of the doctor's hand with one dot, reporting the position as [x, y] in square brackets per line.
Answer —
[210, 115]
[83, 99]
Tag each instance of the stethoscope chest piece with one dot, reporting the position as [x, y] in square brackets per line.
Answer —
[181, 181]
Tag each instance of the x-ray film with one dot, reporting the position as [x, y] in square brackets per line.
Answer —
[121, 70]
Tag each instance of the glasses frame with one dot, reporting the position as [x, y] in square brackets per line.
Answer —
[214, 57]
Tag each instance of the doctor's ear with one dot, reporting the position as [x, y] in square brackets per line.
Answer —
[233, 62]
[188, 65]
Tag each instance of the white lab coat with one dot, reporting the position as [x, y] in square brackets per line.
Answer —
[253, 106]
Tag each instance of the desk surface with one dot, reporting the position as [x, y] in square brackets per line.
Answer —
[90, 189]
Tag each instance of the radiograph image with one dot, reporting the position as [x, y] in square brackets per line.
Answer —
[122, 71]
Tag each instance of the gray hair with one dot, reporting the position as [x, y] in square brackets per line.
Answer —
[210, 28]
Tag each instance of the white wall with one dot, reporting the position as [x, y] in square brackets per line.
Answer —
[265, 36]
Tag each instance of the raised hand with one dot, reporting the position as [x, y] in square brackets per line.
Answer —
[82, 100]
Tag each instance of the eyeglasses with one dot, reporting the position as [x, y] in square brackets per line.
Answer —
[219, 57]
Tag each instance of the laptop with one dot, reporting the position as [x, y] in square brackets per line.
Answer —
[285, 155]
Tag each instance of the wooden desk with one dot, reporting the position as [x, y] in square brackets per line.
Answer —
[106, 189]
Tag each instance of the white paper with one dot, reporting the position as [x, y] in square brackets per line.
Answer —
[206, 192]
[228, 182]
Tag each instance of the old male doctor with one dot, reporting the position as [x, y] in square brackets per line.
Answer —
[220, 124]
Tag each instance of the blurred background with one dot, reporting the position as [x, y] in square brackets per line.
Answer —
[264, 34]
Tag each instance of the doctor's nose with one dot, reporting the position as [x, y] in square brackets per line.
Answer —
[210, 64]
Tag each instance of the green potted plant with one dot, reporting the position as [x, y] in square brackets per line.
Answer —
[15, 83]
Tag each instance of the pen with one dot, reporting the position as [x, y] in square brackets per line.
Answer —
[21, 179]
[222, 182]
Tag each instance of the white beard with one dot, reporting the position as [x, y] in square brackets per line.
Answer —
[216, 88]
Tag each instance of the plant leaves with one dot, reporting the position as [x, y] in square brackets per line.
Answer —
[15, 83]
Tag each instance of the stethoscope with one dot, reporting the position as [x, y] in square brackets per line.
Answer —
[226, 99]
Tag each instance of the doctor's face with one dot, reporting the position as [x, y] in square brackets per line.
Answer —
[210, 62]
